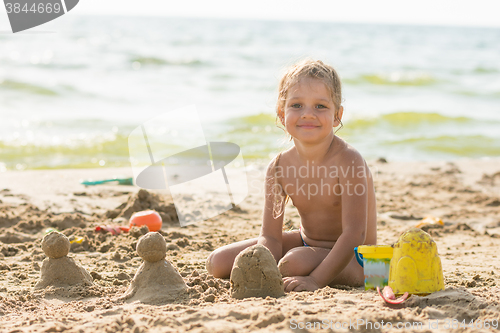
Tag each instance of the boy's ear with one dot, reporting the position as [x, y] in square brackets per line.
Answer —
[338, 116]
[281, 115]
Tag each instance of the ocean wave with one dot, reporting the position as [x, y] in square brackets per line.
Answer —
[94, 143]
[401, 120]
[406, 119]
[78, 151]
[410, 127]
[479, 70]
[155, 61]
[261, 119]
[84, 153]
[481, 94]
[67, 66]
[31, 88]
[484, 70]
[394, 79]
[395, 119]
[453, 145]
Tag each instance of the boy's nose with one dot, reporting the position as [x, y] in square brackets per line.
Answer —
[307, 112]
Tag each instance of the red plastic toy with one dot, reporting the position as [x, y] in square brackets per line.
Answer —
[150, 218]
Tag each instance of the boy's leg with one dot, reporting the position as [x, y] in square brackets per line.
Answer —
[353, 275]
[301, 261]
[220, 262]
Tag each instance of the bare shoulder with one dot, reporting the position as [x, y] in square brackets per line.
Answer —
[271, 166]
[285, 158]
[347, 155]
[281, 160]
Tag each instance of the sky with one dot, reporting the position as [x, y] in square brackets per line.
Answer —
[427, 12]
[420, 12]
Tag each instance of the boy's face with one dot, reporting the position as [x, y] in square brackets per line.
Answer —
[310, 112]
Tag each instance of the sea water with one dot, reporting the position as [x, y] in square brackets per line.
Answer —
[70, 98]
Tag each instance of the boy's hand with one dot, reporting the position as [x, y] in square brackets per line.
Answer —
[300, 283]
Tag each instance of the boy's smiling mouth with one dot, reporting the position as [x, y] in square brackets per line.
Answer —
[307, 126]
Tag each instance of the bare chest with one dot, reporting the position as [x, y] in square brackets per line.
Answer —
[315, 193]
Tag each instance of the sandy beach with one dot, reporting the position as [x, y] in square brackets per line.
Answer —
[465, 194]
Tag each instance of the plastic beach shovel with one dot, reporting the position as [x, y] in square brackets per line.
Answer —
[121, 181]
[388, 296]
[113, 229]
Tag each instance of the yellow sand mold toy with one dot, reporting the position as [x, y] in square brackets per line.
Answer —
[415, 265]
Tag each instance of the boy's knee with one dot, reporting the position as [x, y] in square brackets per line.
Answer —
[283, 267]
[296, 262]
[215, 265]
[209, 265]
[288, 264]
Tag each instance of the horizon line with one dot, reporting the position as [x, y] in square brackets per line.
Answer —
[307, 20]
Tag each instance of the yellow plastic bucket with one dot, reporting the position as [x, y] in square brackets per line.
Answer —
[375, 260]
[415, 266]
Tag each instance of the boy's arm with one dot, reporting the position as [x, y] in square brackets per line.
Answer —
[271, 230]
[354, 221]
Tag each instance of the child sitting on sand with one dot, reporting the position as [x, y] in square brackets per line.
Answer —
[329, 184]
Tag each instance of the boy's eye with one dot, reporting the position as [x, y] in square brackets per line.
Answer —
[296, 105]
[321, 106]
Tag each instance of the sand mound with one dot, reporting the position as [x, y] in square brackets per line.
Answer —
[58, 270]
[62, 272]
[156, 280]
[11, 215]
[144, 200]
[12, 237]
[6, 219]
[255, 274]
[68, 220]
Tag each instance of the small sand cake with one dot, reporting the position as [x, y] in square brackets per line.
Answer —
[58, 269]
[255, 274]
[156, 279]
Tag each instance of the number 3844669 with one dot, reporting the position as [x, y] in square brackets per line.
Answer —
[16, 8]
